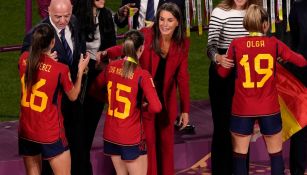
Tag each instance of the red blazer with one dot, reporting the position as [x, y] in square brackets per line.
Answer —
[176, 71]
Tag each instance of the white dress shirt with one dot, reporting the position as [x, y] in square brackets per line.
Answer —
[67, 35]
[142, 12]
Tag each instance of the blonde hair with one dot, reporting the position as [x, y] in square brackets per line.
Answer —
[133, 41]
[228, 4]
[254, 18]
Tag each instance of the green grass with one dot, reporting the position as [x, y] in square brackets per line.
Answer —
[12, 30]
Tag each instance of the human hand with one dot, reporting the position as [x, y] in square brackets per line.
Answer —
[100, 56]
[124, 11]
[149, 23]
[83, 62]
[224, 61]
[183, 120]
[281, 61]
[54, 55]
[145, 104]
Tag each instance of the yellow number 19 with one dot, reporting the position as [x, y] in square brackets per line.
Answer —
[267, 72]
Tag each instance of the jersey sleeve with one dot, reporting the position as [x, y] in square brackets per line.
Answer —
[114, 52]
[224, 72]
[66, 79]
[288, 55]
[154, 104]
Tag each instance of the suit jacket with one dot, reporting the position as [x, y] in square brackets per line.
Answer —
[78, 44]
[180, 3]
[176, 71]
[107, 29]
[298, 26]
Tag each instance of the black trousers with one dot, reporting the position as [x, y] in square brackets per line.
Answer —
[92, 112]
[298, 152]
[221, 91]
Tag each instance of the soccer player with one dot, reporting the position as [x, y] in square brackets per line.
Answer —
[41, 131]
[255, 96]
[126, 83]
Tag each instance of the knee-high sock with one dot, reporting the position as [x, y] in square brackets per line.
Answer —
[277, 163]
[239, 164]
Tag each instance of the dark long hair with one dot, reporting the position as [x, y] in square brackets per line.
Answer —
[83, 10]
[178, 35]
[41, 39]
[133, 41]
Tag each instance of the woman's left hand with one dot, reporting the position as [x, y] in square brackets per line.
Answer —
[184, 120]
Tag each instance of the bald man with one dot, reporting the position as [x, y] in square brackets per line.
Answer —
[68, 52]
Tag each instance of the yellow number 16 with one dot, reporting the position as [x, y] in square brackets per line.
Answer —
[34, 94]
[267, 72]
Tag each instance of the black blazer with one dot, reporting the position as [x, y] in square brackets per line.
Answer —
[298, 26]
[106, 29]
[78, 45]
[180, 3]
[298, 31]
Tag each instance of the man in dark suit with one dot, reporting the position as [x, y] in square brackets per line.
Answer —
[298, 26]
[139, 18]
[68, 52]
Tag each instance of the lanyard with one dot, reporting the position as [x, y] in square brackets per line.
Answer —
[187, 17]
[273, 29]
[279, 8]
[288, 12]
[199, 18]
[194, 11]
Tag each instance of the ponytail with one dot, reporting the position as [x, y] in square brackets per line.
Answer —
[41, 40]
[133, 41]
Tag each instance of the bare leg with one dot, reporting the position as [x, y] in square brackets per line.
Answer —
[239, 156]
[138, 166]
[61, 163]
[33, 164]
[119, 165]
[240, 143]
[273, 143]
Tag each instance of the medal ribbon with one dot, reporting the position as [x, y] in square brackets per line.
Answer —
[199, 18]
[273, 29]
[187, 17]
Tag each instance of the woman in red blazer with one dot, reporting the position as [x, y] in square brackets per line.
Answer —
[166, 57]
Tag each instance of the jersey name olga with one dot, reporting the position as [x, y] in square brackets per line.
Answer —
[257, 43]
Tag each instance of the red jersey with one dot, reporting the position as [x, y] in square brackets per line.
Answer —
[123, 118]
[41, 119]
[255, 63]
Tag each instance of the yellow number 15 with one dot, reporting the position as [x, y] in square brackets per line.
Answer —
[119, 98]
[267, 72]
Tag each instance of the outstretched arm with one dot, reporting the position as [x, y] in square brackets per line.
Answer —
[74, 92]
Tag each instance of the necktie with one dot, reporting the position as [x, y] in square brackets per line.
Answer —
[66, 47]
[150, 12]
